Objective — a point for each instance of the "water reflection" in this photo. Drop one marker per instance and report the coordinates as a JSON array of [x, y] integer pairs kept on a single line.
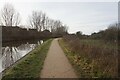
[[13, 52]]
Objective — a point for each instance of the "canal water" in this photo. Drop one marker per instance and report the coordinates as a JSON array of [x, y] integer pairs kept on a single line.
[[13, 51]]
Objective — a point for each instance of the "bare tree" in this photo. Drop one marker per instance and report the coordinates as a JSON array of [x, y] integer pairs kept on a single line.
[[9, 16], [1, 22], [51, 22], [35, 20], [40, 21], [44, 20], [52, 25], [48, 23], [57, 25], [17, 19], [63, 29]]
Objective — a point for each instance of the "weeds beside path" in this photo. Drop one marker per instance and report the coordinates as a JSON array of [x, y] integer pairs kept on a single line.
[[90, 58]]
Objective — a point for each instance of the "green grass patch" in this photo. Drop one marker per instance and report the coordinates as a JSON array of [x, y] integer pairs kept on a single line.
[[30, 66]]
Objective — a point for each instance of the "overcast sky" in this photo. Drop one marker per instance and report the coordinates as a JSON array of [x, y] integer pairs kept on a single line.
[[84, 16]]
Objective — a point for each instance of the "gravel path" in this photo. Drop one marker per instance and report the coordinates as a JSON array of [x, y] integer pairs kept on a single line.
[[56, 64]]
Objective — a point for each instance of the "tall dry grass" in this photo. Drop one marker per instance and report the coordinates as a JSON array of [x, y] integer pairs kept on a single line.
[[95, 58]]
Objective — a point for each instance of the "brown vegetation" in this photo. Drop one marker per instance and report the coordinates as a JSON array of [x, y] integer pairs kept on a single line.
[[96, 59], [95, 55]]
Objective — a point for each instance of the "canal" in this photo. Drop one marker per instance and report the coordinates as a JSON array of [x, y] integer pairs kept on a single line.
[[13, 51]]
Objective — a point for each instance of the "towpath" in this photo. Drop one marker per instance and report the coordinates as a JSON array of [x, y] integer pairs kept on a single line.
[[56, 64]]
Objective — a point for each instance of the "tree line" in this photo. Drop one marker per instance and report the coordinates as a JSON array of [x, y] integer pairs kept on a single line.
[[37, 20], [109, 34]]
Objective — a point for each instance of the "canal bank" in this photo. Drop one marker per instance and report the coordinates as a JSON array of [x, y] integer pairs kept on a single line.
[[13, 51], [29, 66]]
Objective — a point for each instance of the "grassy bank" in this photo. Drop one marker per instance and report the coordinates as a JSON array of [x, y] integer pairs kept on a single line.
[[30, 66], [91, 58]]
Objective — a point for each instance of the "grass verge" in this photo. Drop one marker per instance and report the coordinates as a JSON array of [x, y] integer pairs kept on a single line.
[[70, 56], [30, 66]]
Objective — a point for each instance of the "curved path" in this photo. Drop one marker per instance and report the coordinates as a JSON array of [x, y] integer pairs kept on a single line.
[[56, 64]]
